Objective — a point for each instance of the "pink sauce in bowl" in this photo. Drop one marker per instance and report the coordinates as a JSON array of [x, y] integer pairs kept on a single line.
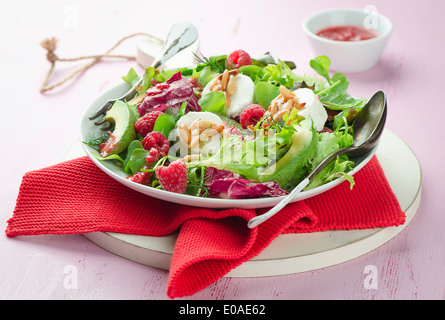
[[347, 33]]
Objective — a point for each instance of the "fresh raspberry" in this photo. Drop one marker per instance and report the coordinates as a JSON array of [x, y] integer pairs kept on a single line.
[[157, 145], [251, 115], [174, 177], [153, 155], [141, 177], [237, 59], [146, 123]]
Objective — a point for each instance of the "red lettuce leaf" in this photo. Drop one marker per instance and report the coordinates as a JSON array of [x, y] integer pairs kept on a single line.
[[226, 184], [173, 93]]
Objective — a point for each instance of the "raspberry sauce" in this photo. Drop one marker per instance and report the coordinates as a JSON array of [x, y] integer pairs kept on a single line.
[[347, 33]]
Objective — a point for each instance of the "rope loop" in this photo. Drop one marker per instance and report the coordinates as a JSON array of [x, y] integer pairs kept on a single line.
[[50, 45]]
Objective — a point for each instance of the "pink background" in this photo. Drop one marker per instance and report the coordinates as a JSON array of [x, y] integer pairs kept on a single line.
[[37, 130]]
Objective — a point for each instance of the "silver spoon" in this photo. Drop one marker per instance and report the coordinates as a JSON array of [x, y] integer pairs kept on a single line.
[[180, 36], [368, 127]]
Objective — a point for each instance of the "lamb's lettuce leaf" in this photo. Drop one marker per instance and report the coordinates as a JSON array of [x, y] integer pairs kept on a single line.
[[214, 102], [265, 92], [137, 159], [164, 124], [254, 72]]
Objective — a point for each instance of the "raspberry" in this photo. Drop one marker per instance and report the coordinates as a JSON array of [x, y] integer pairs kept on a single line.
[[153, 155], [237, 59], [157, 145], [251, 115], [146, 123], [141, 177], [174, 177]]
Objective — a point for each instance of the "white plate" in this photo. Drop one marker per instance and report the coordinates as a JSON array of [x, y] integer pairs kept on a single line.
[[300, 252], [87, 128]]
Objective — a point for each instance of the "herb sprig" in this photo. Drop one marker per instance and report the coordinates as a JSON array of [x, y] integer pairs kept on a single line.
[[94, 142], [196, 182], [213, 62]]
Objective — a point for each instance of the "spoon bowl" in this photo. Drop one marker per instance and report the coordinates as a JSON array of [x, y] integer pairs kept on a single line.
[[368, 127]]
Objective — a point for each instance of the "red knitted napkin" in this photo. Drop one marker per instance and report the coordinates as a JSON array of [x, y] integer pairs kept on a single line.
[[77, 197]]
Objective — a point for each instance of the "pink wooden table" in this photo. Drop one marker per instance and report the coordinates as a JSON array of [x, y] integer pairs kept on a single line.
[[37, 130]]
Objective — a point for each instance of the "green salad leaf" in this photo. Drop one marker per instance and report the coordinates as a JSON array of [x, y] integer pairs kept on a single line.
[[131, 78], [114, 157], [254, 72], [321, 65], [164, 124], [137, 159], [206, 75], [334, 170], [213, 102], [229, 157], [265, 92], [328, 143], [334, 95]]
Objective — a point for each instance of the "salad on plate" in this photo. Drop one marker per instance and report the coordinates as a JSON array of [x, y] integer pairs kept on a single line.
[[232, 127]]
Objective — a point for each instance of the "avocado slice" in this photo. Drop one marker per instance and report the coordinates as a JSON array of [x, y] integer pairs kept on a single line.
[[291, 168], [124, 118]]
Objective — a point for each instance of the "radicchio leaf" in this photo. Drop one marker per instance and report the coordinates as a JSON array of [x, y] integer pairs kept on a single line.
[[172, 93], [226, 184]]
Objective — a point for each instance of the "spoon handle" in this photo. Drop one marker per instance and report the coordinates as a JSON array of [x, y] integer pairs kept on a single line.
[[180, 36], [265, 216], [260, 219]]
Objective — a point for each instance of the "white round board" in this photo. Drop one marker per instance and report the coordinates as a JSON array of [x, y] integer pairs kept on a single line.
[[293, 253]]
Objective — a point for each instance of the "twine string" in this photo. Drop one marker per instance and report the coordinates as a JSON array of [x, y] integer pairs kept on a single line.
[[50, 45]]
